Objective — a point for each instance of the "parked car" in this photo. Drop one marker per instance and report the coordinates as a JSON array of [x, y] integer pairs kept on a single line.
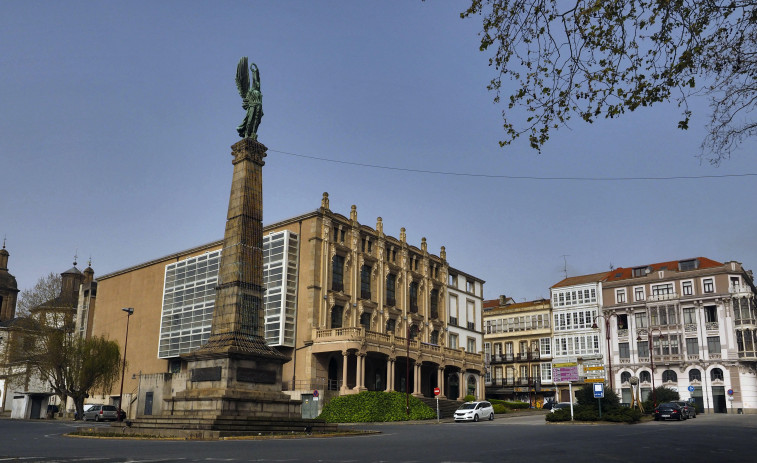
[[475, 411], [689, 410], [669, 411], [101, 413], [560, 406], [548, 405]]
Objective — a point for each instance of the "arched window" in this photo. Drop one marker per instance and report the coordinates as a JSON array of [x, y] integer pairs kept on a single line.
[[471, 385], [625, 377], [434, 339], [390, 324], [336, 316], [645, 377], [669, 376], [716, 374], [413, 331], [695, 375]]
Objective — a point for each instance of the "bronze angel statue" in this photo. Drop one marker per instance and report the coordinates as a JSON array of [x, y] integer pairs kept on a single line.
[[252, 99]]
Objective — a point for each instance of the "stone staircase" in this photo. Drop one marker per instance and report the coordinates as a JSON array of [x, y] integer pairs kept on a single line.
[[447, 407]]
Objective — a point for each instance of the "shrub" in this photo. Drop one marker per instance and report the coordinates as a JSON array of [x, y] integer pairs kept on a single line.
[[585, 396], [516, 405], [370, 406], [469, 398], [560, 415], [623, 415], [499, 409], [585, 413], [664, 394]]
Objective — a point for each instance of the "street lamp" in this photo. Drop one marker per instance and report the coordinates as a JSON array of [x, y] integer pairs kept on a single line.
[[407, 367], [129, 311], [594, 326], [650, 346]]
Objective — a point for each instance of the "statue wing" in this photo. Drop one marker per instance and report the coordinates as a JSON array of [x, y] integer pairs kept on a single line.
[[243, 77]]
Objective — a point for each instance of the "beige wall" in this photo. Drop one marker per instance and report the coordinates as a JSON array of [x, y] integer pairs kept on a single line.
[[141, 289]]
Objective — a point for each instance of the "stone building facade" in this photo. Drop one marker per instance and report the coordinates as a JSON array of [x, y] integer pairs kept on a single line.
[[352, 308], [689, 325], [518, 350]]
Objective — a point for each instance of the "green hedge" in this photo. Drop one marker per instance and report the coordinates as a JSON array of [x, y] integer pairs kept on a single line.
[[499, 409], [516, 405], [590, 413], [374, 406]]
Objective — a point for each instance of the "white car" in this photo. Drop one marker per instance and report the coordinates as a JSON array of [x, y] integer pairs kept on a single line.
[[475, 411]]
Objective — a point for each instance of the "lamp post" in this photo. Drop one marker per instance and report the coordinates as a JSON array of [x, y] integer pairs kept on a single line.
[[129, 311], [407, 368], [650, 342], [606, 318]]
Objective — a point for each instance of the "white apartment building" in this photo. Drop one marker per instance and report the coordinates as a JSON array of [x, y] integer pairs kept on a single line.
[[700, 317], [576, 308]]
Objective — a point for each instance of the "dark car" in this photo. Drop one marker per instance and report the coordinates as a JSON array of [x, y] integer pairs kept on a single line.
[[669, 411], [689, 410]]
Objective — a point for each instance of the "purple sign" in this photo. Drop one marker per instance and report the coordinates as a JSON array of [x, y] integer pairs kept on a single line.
[[565, 374]]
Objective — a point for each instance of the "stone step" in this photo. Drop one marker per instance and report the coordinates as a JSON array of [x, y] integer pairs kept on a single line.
[[447, 407]]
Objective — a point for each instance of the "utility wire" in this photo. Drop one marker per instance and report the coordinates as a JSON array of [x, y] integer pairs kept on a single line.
[[513, 177]]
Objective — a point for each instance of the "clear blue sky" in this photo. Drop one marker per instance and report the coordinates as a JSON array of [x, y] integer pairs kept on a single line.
[[117, 118]]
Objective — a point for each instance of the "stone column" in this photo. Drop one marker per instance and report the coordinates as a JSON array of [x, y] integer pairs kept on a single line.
[[345, 357], [461, 386], [389, 374], [360, 372], [440, 381], [417, 380]]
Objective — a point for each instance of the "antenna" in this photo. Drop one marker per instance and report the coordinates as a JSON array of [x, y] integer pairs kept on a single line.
[[612, 267], [565, 265]]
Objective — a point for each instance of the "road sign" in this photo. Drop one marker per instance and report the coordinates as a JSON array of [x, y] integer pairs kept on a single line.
[[565, 372], [598, 368], [730, 391], [599, 391], [315, 393], [437, 391], [594, 380], [691, 388]]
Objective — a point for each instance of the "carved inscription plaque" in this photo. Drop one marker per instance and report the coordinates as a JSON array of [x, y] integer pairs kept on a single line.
[[206, 374], [250, 375]]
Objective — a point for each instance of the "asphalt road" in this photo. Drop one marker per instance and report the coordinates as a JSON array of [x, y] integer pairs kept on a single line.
[[718, 438]]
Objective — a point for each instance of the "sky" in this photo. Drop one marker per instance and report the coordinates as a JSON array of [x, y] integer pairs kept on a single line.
[[117, 118]]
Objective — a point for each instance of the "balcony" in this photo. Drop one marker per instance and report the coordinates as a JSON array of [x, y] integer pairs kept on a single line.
[[745, 355], [623, 332], [523, 381], [663, 297], [738, 289], [502, 358], [711, 326], [328, 340], [472, 326], [690, 327]]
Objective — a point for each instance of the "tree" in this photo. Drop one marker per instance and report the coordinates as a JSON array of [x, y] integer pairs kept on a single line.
[[585, 396], [46, 289], [601, 58], [45, 348]]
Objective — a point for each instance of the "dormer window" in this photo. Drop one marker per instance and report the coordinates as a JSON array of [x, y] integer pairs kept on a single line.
[[640, 271], [686, 265]]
